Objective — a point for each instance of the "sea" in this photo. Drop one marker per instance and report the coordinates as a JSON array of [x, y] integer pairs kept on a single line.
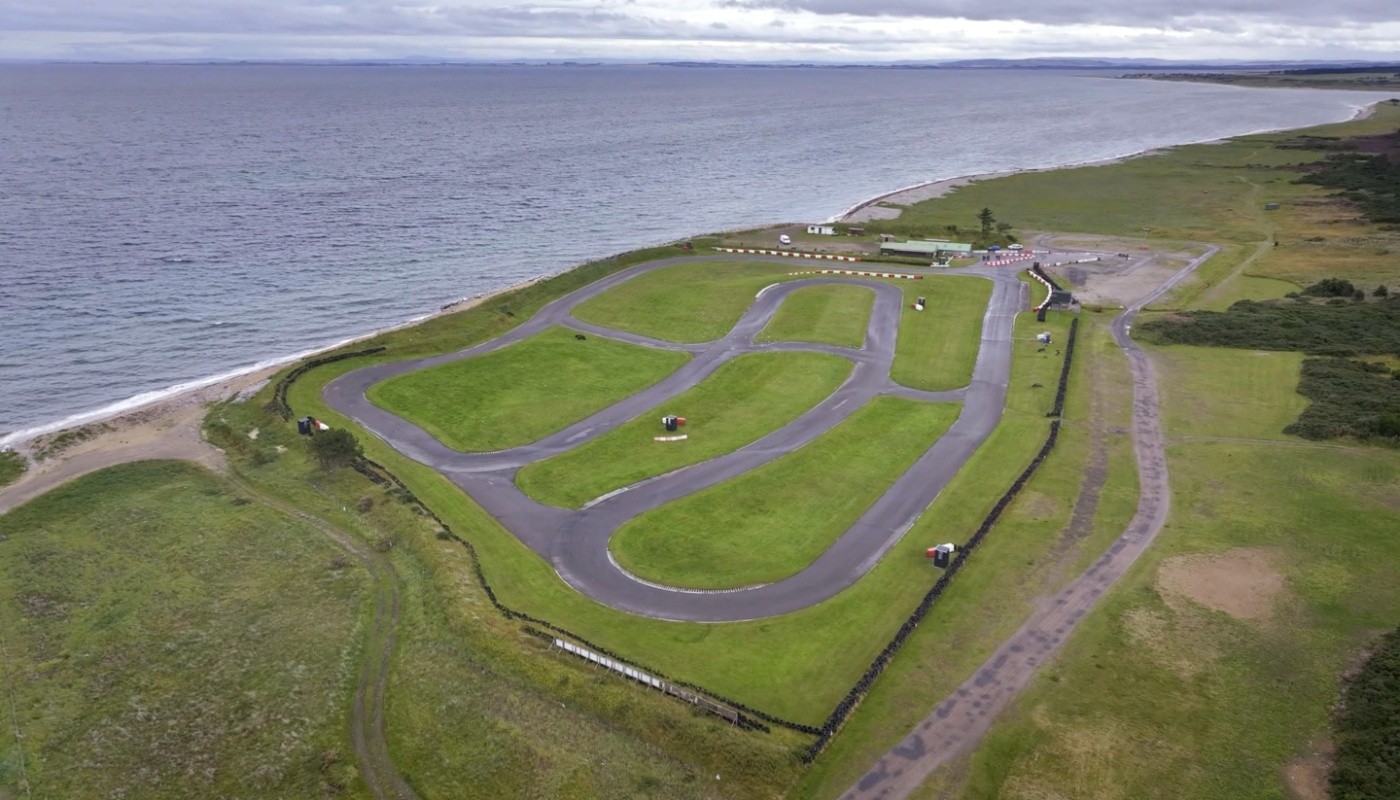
[[165, 226]]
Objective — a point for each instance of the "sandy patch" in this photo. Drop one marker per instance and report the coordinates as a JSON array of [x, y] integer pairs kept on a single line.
[[1242, 583], [1306, 775]]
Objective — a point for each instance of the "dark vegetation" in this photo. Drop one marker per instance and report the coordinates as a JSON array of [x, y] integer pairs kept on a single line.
[[1368, 729], [1349, 398], [1349, 329], [1371, 180], [12, 465], [336, 448]]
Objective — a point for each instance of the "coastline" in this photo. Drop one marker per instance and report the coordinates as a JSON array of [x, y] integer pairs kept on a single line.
[[173, 400], [868, 210], [140, 408]]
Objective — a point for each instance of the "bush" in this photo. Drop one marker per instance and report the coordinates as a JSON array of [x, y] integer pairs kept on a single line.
[[1345, 328], [1349, 398], [335, 448], [1368, 729], [1331, 287]]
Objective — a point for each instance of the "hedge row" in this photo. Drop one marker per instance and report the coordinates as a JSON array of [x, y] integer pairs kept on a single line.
[[862, 687]]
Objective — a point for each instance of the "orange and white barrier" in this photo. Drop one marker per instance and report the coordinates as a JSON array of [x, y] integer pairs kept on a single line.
[[861, 273], [787, 254]]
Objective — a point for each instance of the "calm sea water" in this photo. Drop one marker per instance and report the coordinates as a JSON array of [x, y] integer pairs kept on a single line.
[[163, 224]]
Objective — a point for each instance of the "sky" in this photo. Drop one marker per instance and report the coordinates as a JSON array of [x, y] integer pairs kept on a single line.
[[838, 31]]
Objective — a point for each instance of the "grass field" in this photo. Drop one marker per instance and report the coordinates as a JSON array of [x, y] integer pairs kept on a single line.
[[937, 347], [686, 303], [740, 402], [525, 391], [827, 314], [164, 637], [1159, 690], [768, 524], [1261, 385]]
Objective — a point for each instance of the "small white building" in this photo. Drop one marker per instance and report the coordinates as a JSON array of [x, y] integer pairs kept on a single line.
[[824, 230]]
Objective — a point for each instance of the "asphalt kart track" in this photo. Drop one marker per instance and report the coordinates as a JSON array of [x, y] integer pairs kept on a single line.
[[576, 541]]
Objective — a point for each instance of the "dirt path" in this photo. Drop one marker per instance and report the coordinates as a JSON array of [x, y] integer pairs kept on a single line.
[[367, 712], [959, 722]]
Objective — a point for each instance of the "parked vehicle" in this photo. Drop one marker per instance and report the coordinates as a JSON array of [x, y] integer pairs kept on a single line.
[[784, 239]]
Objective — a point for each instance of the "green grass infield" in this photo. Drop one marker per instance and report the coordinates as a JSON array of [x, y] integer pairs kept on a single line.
[[525, 391], [740, 402]]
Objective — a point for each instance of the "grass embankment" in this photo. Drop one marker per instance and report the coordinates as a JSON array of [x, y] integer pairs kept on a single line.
[[739, 403], [12, 466], [537, 723], [826, 314], [1160, 686], [685, 303], [165, 637], [823, 649], [770, 523], [525, 391], [937, 347]]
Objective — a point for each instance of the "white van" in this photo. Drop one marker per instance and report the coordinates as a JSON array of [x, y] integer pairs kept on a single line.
[[784, 239]]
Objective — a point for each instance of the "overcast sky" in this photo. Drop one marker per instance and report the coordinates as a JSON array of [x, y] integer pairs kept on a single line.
[[805, 30]]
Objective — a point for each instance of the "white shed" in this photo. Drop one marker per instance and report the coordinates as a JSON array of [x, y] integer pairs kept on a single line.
[[824, 230]]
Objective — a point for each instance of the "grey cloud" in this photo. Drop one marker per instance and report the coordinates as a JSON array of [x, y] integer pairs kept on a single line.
[[1136, 13]]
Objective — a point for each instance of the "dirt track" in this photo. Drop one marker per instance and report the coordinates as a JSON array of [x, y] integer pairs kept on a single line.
[[959, 722]]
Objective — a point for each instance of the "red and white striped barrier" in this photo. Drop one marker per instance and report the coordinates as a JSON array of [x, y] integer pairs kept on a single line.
[[1049, 290], [787, 254], [1000, 262], [861, 273]]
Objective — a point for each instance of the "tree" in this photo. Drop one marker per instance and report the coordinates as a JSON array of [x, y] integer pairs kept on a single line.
[[985, 217], [1381, 291], [1003, 227], [335, 448]]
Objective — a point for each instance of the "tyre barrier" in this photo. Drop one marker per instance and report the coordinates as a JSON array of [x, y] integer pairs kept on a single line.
[[278, 404], [1059, 409], [787, 254], [857, 693]]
